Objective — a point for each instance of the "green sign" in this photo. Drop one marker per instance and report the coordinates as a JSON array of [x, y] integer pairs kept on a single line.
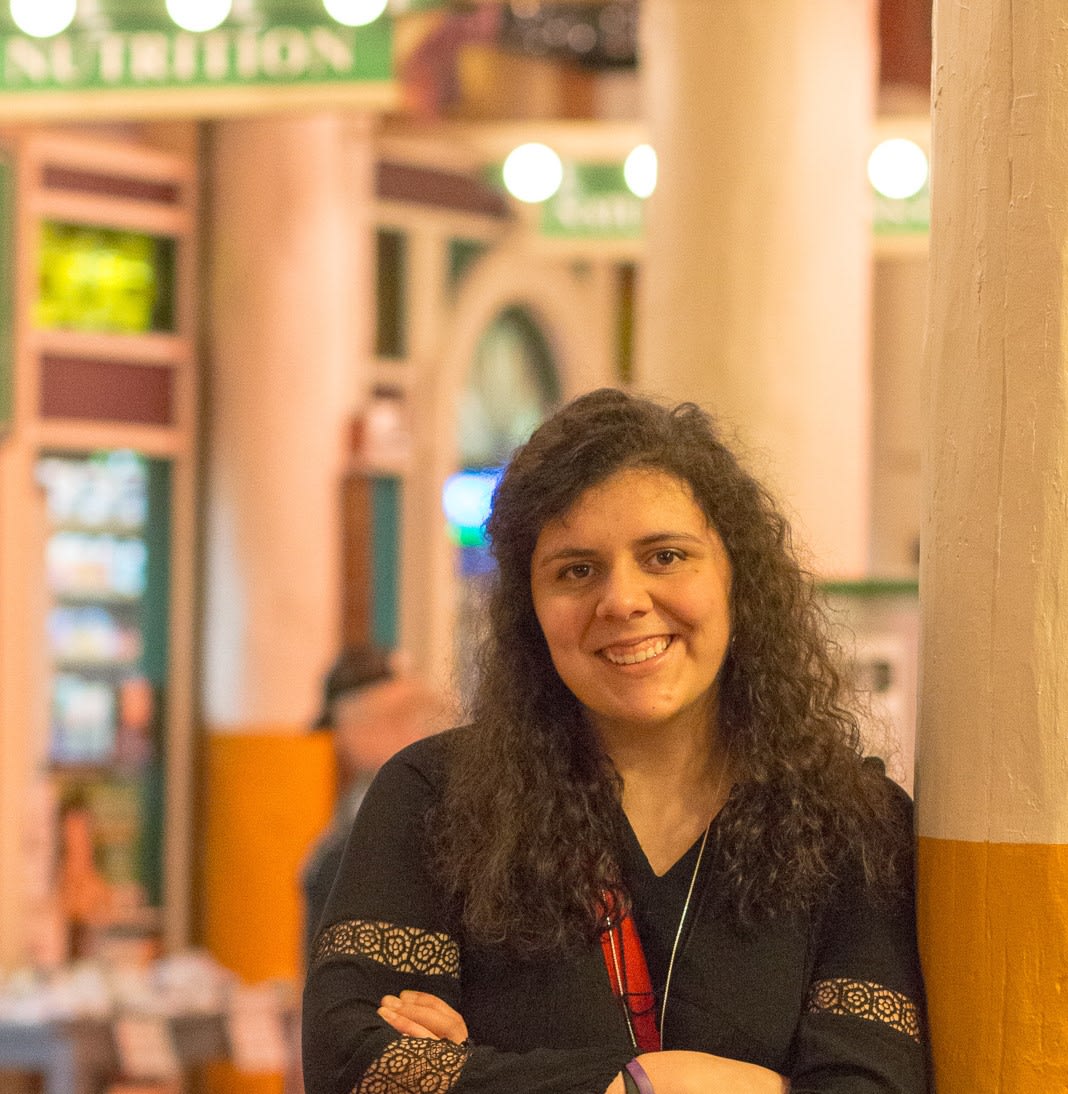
[[7, 293], [403, 7], [593, 202], [295, 44], [902, 216], [128, 15]]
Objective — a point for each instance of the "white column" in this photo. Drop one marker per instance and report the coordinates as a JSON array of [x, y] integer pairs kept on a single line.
[[284, 309], [993, 752], [756, 286]]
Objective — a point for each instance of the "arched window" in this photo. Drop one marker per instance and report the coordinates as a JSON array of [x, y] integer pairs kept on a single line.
[[512, 385]]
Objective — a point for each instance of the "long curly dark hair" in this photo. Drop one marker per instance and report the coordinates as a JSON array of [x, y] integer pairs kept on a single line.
[[528, 828]]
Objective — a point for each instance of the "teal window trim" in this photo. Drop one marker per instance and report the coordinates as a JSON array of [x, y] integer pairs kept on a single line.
[[386, 495], [155, 623], [391, 279]]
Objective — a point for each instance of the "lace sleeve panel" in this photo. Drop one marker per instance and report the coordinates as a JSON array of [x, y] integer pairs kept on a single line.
[[414, 1065], [861, 999], [408, 1065], [403, 949]]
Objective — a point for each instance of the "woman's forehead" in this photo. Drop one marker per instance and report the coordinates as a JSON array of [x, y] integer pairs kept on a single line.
[[629, 484]]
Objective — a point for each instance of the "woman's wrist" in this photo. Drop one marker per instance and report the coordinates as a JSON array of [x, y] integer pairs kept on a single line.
[[635, 1078]]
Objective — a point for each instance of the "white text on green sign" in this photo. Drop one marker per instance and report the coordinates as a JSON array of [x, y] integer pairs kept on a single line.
[[169, 59]]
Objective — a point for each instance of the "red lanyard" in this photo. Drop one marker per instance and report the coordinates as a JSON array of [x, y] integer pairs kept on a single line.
[[628, 974]]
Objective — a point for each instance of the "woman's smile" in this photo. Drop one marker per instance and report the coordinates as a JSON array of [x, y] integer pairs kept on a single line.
[[631, 587], [637, 652]]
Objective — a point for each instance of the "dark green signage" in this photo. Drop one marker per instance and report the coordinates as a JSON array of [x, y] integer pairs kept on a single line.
[[145, 60], [593, 202], [403, 7], [135, 46], [129, 15]]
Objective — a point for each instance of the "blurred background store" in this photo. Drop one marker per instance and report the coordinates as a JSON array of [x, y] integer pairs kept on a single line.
[[275, 303]]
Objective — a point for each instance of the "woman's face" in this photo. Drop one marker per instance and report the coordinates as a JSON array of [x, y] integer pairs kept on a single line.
[[631, 587]]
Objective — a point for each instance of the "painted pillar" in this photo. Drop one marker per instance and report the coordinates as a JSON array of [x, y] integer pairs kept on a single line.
[[281, 390], [993, 752], [755, 288], [287, 296]]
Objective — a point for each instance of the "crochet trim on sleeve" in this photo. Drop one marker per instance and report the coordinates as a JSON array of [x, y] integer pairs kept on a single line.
[[405, 949], [865, 1000], [414, 1065]]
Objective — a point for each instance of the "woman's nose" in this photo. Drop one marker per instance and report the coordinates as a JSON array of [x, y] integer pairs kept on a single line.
[[623, 594]]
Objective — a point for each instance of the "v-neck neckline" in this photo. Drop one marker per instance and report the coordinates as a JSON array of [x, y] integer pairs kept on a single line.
[[658, 899], [683, 864]]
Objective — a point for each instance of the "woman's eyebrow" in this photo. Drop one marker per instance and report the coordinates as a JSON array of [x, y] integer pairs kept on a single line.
[[649, 540], [670, 537], [565, 553]]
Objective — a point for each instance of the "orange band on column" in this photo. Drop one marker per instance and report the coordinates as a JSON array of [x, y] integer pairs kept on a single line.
[[993, 921]]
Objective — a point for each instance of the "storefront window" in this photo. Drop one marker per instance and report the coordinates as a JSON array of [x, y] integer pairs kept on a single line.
[[107, 565]]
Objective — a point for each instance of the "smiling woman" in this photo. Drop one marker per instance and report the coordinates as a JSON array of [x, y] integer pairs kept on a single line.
[[656, 855], [631, 589]]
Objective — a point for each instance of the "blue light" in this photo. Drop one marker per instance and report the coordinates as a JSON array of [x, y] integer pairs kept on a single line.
[[466, 500]]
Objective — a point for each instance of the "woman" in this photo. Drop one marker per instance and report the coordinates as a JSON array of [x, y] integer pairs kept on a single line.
[[655, 859]]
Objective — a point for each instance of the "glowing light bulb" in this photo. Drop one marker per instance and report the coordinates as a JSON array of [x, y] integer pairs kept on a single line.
[[198, 15], [897, 168], [355, 13], [533, 172], [639, 170], [43, 18]]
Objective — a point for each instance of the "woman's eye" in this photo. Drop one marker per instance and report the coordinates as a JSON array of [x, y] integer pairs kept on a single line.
[[577, 571], [668, 556]]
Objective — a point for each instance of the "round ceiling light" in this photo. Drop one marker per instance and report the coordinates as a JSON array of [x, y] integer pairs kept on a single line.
[[533, 172], [639, 170], [43, 18], [898, 168], [198, 15], [355, 13]]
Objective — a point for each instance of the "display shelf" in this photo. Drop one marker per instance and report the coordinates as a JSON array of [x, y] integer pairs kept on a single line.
[[133, 215], [116, 530], [89, 667], [60, 433], [100, 709], [83, 769], [90, 596], [151, 349]]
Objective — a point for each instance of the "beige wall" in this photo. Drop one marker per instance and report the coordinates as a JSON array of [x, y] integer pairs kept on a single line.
[[756, 287]]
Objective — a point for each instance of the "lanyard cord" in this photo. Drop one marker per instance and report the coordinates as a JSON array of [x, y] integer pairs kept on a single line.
[[678, 932], [622, 985], [689, 892]]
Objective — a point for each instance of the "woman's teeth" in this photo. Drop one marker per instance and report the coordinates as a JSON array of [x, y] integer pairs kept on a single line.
[[634, 655]]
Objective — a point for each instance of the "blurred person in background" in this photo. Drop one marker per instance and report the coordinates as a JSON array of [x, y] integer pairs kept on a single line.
[[371, 707]]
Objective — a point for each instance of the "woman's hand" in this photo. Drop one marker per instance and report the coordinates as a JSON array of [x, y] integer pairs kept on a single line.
[[419, 1014], [680, 1072]]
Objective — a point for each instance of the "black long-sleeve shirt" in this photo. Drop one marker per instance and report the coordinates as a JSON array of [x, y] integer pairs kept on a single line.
[[832, 999]]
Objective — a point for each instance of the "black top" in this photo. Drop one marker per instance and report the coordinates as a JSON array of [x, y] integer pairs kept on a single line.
[[831, 999], [321, 866]]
